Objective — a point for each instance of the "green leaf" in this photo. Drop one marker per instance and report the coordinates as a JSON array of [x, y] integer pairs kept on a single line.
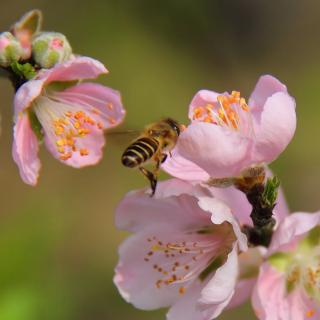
[[25, 70]]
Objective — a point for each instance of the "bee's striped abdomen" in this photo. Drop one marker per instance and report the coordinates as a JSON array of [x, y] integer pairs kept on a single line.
[[139, 151]]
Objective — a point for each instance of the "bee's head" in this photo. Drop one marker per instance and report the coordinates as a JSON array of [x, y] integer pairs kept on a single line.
[[174, 125]]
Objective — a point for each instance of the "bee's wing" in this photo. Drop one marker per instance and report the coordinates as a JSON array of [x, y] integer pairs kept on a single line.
[[124, 136], [124, 132]]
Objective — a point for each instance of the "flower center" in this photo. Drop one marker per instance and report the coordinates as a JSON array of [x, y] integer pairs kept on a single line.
[[230, 110], [305, 272], [65, 126], [190, 256]]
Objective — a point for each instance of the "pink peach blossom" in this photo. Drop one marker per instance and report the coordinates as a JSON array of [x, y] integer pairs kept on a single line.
[[288, 286], [183, 254], [227, 135], [69, 115]]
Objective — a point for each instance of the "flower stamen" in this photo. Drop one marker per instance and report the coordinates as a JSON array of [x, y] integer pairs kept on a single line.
[[225, 112]]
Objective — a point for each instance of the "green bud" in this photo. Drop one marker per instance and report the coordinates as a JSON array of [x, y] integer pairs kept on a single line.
[[10, 49], [270, 193], [50, 48]]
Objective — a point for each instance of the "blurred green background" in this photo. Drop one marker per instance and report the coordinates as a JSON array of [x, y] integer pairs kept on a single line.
[[58, 243]]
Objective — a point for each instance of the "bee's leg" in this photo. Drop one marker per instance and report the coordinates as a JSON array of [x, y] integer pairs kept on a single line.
[[164, 158], [160, 159], [151, 177]]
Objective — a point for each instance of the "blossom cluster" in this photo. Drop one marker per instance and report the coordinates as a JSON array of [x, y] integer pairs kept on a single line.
[[195, 247], [51, 104], [214, 235]]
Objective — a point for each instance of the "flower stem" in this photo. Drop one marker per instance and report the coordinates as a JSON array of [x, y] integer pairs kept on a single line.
[[262, 196]]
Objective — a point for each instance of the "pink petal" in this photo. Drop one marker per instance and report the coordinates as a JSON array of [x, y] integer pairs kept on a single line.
[[220, 213], [218, 292], [269, 294], [170, 205], [242, 292], [26, 94], [75, 69], [275, 128], [93, 142], [219, 151], [236, 201], [249, 265], [186, 308], [136, 279], [294, 226], [266, 86], [179, 167], [25, 150], [201, 99], [103, 101]]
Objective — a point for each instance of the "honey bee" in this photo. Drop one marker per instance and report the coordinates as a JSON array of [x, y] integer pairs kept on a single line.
[[153, 144]]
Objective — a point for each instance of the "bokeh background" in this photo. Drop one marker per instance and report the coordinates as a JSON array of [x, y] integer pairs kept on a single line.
[[58, 243]]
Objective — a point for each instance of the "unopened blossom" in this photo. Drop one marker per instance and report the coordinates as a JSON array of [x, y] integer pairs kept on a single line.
[[183, 254], [25, 28], [288, 285], [228, 135], [50, 48], [10, 49], [69, 116]]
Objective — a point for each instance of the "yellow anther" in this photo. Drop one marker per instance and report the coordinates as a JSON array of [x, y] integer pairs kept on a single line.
[[59, 130], [235, 95], [182, 290], [198, 112], [77, 124], [112, 120], [84, 152], [61, 143], [208, 119], [310, 313], [70, 142], [79, 114], [158, 284], [156, 247], [244, 105], [66, 156], [83, 131], [61, 150]]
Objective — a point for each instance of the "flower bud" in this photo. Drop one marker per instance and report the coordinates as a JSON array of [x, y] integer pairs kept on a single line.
[[24, 29], [50, 48], [10, 49]]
